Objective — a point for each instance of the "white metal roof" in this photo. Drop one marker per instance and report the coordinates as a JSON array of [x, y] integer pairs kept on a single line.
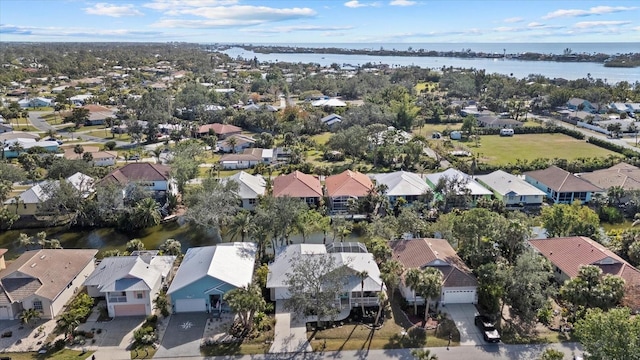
[[504, 183], [401, 183], [249, 186], [474, 187], [129, 273], [229, 262]]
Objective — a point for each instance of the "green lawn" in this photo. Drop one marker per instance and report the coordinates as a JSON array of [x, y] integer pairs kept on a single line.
[[65, 354], [425, 86], [322, 138], [495, 149], [107, 135]]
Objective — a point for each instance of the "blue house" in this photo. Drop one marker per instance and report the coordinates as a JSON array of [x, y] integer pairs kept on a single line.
[[207, 273], [577, 103], [561, 186]]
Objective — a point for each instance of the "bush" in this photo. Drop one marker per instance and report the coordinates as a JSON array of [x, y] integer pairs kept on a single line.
[[59, 345], [152, 319], [613, 147], [144, 335]]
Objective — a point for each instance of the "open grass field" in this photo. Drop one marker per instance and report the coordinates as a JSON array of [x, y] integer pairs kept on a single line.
[[495, 149], [425, 86], [322, 138]]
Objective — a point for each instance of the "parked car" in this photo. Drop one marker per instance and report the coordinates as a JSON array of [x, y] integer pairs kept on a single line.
[[489, 331], [134, 157]]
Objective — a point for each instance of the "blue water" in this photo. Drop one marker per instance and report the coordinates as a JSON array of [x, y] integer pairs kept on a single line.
[[516, 68], [499, 48]]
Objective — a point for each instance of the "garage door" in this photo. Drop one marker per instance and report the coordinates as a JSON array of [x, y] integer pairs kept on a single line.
[[4, 313], [191, 305], [129, 310], [459, 296]]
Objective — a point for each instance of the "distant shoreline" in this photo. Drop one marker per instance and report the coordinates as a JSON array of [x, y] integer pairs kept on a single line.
[[629, 60]]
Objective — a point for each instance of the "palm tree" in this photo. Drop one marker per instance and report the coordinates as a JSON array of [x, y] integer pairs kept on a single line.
[[363, 276], [68, 321], [240, 225], [27, 315], [413, 279], [423, 354], [246, 302], [390, 273], [157, 152], [232, 142], [430, 288], [171, 247], [17, 148], [134, 245], [147, 213]]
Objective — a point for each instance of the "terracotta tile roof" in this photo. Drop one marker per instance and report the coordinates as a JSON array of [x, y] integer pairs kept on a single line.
[[624, 175], [438, 253], [561, 180], [44, 272], [348, 183], [137, 172], [297, 184], [239, 157], [571, 253], [97, 108], [220, 129]]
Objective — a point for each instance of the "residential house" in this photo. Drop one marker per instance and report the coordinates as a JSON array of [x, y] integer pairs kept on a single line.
[[98, 114], [44, 280], [618, 107], [222, 131], [633, 107], [581, 104], [561, 186], [28, 202], [331, 120], [512, 190], [402, 185], [104, 158], [298, 185], [345, 187], [250, 188], [241, 142], [151, 177], [80, 100], [35, 102], [207, 273], [248, 159], [333, 102], [569, 254], [27, 143], [130, 283], [352, 256], [495, 122], [8, 137], [623, 175], [459, 183], [5, 128], [459, 286]]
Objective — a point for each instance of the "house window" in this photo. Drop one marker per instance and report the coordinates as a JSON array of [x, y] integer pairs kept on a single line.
[[37, 305], [139, 295], [253, 201]]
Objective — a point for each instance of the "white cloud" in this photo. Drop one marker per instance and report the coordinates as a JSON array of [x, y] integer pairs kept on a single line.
[[294, 28], [75, 32], [402, 3], [535, 24], [513, 20], [165, 5], [596, 10], [357, 4], [592, 24], [105, 9], [237, 15]]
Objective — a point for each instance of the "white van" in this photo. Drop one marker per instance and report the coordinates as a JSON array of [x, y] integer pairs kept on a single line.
[[506, 132]]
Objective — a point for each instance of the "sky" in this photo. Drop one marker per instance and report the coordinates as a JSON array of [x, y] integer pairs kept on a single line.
[[320, 21]]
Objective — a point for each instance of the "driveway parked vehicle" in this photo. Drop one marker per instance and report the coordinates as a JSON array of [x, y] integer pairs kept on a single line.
[[489, 331]]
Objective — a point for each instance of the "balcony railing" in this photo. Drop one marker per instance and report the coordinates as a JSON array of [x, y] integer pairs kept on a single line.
[[367, 301], [117, 299]]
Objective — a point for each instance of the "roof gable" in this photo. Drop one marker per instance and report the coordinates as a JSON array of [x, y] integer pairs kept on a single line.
[[561, 180], [138, 172], [505, 184], [401, 183], [297, 184], [348, 183]]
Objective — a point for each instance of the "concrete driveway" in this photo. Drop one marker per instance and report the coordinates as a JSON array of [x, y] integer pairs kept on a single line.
[[463, 315], [115, 337], [183, 336]]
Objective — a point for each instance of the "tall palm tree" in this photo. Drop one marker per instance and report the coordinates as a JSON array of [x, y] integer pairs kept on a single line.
[[147, 213], [68, 322], [430, 288], [232, 142], [17, 148], [240, 225], [364, 274], [413, 279], [390, 273]]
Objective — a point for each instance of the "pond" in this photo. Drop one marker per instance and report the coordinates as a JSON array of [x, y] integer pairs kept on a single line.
[[110, 238]]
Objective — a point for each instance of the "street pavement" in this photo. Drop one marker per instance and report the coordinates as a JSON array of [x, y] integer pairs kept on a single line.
[[483, 352]]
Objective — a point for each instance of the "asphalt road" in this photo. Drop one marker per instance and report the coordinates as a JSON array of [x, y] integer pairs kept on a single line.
[[485, 352]]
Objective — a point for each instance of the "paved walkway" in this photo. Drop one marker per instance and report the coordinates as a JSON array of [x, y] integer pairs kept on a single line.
[[463, 315], [290, 333]]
